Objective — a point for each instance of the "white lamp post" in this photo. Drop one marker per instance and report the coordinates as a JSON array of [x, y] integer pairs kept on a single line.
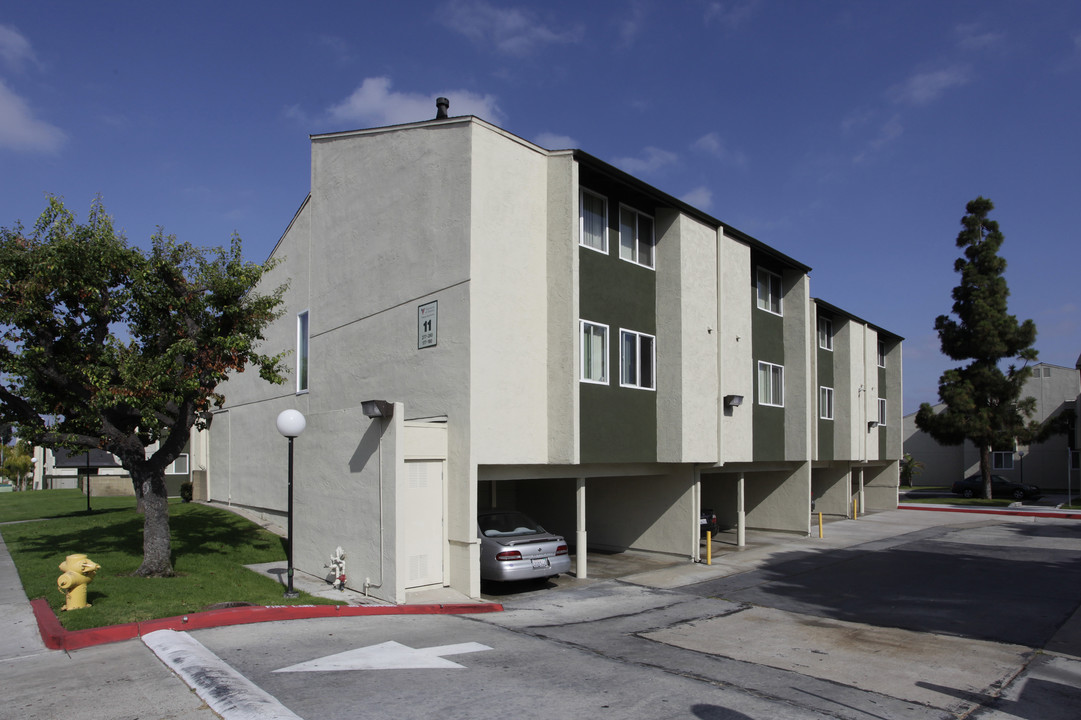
[[291, 424]]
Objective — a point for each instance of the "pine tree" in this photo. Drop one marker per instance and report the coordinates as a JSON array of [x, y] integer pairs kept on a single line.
[[982, 401]]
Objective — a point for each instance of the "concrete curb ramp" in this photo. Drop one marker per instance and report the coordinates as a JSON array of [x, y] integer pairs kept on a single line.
[[226, 691], [56, 637]]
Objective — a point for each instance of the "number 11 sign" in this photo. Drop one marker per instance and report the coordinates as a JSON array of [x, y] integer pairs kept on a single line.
[[427, 323]]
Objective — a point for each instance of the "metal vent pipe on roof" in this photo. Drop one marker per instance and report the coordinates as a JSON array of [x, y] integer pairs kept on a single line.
[[442, 105]]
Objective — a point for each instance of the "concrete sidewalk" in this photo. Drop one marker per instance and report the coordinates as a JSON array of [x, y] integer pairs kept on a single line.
[[18, 625]]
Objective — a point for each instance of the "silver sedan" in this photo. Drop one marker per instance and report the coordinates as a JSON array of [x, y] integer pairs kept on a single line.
[[513, 547]]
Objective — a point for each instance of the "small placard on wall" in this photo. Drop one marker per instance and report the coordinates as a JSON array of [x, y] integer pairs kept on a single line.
[[427, 324]]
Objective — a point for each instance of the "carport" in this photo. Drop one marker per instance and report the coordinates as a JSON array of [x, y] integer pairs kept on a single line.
[[775, 499], [649, 508]]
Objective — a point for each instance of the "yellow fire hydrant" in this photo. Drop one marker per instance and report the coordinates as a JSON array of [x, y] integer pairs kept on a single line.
[[78, 572]]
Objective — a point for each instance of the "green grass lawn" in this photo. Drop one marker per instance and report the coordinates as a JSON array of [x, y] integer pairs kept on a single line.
[[210, 548]]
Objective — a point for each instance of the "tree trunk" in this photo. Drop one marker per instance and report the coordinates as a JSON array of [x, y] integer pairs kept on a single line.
[[985, 470], [157, 552]]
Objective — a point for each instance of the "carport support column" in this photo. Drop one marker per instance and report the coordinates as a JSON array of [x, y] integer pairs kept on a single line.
[[741, 515], [580, 535], [859, 474]]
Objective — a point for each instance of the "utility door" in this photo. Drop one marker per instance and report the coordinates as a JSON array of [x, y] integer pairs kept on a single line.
[[422, 517]]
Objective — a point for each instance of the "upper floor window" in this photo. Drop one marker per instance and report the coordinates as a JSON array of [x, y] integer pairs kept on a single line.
[[882, 412], [635, 237], [770, 384], [825, 403], [302, 352], [636, 360], [769, 291], [593, 221], [825, 333], [881, 354], [594, 352]]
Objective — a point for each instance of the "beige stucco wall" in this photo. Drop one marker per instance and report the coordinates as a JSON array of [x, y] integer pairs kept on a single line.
[[687, 423], [733, 331], [562, 288]]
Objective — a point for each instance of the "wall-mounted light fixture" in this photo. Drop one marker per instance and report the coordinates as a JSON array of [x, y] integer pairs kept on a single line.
[[377, 408], [872, 425], [733, 400]]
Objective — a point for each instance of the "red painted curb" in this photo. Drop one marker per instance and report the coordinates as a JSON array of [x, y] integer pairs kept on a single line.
[[56, 637], [1070, 514]]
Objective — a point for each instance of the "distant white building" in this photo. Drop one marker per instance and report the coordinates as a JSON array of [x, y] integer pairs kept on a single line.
[[1052, 465]]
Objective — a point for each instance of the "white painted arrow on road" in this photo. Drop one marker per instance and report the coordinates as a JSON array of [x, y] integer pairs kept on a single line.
[[388, 656]]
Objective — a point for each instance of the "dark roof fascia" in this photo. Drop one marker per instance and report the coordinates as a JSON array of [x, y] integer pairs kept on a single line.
[[838, 311], [600, 166], [78, 458]]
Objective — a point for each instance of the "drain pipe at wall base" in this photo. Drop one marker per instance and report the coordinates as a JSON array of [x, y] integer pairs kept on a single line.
[[367, 580]]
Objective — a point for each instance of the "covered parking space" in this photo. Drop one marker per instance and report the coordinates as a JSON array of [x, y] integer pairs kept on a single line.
[[602, 509], [756, 497]]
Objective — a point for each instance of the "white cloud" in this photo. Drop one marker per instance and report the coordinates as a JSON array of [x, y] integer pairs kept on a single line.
[[924, 87], [20, 130], [712, 144], [652, 160], [15, 49], [632, 22], [730, 14], [374, 104], [553, 141], [512, 31], [701, 197], [888, 132], [971, 38]]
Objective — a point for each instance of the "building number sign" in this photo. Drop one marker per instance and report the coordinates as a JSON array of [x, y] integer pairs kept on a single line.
[[427, 324]]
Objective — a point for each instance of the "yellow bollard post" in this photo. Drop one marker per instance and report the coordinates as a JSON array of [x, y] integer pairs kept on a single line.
[[855, 512], [820, 525], [709, 547]]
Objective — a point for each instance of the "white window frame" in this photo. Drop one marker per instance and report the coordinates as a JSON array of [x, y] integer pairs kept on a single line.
[[582, 192], [632, 253], [765, 390], [774, 291], [171, 469], [303, 366], [638, 381], [1002, 460], [825, 403], [583, 343], [881, 354], [882, 412], [825, 334]]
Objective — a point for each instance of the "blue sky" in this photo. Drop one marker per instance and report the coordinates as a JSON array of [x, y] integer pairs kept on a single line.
[[848, 134]]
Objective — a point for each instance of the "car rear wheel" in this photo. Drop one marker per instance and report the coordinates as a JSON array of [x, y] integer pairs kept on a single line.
[[969, 492], [1019, 494]]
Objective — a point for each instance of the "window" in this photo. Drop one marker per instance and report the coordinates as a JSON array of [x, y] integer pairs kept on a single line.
[[635, 237], [302, 352], [881, 354], [636, 358], [593, 221], [882, 411], [769, 291], [594, 352], [178, 466], [1047, 372], [825, 403], [770, 384], [825, 333], [1002, 460]]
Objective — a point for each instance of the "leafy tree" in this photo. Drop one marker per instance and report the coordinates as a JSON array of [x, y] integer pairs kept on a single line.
[[109, 346], [17, 464], [910, 468], [982, 401]]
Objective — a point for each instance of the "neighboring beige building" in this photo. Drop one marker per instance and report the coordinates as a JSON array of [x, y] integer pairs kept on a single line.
[[547, 333], [1052, 464]]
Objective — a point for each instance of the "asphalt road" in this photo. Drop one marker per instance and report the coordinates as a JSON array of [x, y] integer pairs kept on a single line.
[[900, 615]]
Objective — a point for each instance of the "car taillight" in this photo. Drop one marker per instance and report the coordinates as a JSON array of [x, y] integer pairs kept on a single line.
[[561, 550], [509, 555]]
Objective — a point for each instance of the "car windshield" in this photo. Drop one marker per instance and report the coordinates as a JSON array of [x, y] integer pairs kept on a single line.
[[506, 524]]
